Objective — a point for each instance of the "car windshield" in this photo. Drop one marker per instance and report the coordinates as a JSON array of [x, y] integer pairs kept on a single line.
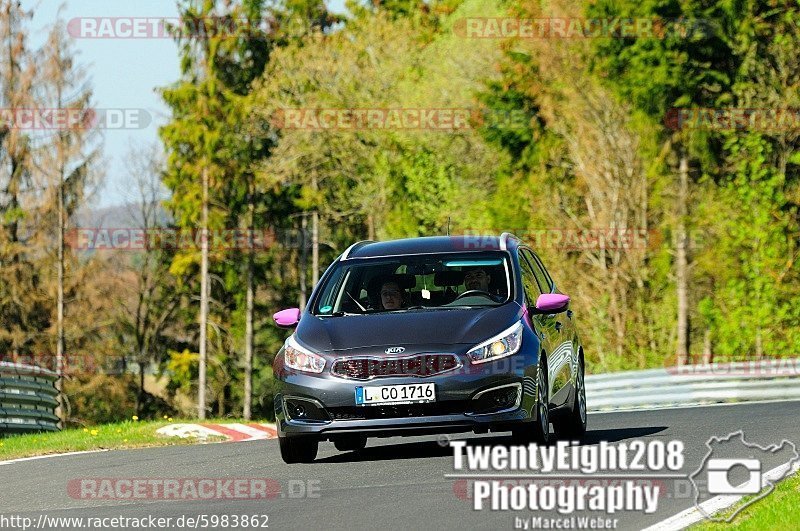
[[415, 282]]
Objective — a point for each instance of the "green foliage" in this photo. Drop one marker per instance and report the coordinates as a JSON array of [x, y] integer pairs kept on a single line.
[[101, 398], [569, 135]]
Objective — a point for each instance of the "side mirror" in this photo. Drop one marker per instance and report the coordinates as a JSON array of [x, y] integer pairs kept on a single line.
[[287, 318], [552, 303]]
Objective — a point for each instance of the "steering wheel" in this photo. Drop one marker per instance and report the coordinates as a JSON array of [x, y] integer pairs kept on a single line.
[[473, 292]]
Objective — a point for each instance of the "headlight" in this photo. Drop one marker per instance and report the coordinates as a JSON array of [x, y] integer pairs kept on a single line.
[[300, 358], [503, 344]]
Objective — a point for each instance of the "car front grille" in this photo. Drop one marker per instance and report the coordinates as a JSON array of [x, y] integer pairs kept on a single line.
[[364, 368]]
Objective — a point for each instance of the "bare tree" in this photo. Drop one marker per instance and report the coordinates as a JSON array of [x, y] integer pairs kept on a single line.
[[64, 163], [147, 317], [17, 294]]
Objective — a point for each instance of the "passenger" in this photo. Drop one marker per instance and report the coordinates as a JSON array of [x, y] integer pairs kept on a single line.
[[392, 296]]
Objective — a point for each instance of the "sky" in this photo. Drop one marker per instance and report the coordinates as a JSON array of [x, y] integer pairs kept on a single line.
[[124, 73]]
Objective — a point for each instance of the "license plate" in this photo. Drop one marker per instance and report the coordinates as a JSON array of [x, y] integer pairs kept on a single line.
[[395, 394]]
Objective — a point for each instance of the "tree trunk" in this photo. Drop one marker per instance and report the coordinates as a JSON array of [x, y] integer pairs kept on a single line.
[[708, 357], [303, 262], [201, 389], [140, 399], [314, 240], [314, 249], [248, 319], [681, 260], [60, 339], [759, 344], [370, 227]]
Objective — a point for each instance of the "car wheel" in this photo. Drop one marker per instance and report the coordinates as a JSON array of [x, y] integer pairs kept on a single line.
[[573, 427], [351, 444], [537, 431], [298, 449]]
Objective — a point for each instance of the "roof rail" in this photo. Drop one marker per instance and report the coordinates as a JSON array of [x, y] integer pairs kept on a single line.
[[504, 240], [353, 247]]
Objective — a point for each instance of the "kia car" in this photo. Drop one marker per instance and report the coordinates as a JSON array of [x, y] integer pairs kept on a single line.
[[429, 335]]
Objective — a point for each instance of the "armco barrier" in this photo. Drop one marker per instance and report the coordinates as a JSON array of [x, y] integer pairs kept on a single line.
[[694, 385], [28, 399]]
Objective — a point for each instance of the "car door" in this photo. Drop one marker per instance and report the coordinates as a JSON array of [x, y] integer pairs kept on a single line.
[[559, 355], [542, 326]]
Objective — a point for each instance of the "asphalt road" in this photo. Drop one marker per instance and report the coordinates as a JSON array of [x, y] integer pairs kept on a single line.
[[396, 483]]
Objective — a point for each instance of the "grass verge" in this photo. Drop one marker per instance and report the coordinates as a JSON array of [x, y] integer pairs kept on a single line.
[[779, 510], [128, 434]]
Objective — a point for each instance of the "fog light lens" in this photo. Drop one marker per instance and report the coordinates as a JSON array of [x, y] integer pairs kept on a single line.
[[498, 399], [307, 410]]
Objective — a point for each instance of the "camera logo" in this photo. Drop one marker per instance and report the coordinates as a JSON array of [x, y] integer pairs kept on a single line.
[[720, 473], [733, 468]]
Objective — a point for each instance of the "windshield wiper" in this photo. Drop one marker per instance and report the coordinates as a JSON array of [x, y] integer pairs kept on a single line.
[[355, 301], [338, 314]]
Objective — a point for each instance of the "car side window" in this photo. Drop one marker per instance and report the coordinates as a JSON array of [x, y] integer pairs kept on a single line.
[[538, 271], [529, 283], [541, 266]]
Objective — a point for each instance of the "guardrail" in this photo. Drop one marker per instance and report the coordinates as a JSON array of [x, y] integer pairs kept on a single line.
[[694, 385], [28, 399]]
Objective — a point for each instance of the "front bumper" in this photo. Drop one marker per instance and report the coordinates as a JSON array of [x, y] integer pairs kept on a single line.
[[461, 403]]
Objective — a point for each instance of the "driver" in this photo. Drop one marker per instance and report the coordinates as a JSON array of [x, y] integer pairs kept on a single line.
[[477, 279]]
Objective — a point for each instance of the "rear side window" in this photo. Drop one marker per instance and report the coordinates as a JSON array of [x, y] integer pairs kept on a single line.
[[538, 272], [529, 283], [539, 265]]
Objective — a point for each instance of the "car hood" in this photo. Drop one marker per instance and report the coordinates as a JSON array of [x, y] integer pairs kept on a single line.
[[406, 329]]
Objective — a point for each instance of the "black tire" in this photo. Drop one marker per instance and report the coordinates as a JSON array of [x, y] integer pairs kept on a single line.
[[298, 449], [354, 443], [573, 426], [537, 431]]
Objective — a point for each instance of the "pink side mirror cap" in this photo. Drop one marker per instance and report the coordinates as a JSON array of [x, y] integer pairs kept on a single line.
[[287, 318], [552, 302]]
